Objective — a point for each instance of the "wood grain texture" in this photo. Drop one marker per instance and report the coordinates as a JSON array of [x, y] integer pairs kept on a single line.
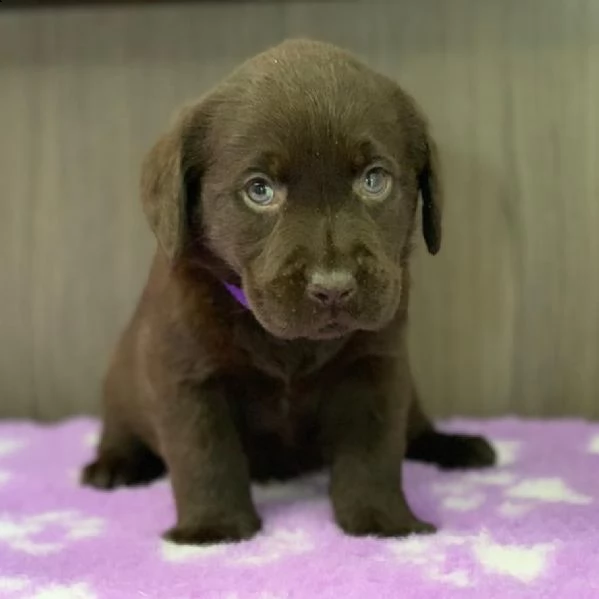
[[504, 320]]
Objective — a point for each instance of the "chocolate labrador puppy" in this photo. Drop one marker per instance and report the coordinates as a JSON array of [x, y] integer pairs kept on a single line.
[[270, 339]]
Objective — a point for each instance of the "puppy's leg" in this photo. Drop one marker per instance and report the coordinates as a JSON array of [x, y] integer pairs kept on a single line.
[[364, 428], [122, 459], [448, 451], [208, 469]]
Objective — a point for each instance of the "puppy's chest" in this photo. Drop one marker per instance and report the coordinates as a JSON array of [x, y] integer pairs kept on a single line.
[[286, 399], [285, 411], [287, 404]]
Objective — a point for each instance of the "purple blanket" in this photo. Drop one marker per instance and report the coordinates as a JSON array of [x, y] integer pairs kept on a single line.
[[526, 529]]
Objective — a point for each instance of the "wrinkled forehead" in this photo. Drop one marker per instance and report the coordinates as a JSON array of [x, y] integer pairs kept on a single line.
[[279, 136]]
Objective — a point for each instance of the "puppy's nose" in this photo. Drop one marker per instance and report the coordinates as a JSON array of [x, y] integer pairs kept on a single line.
[[331, 287]]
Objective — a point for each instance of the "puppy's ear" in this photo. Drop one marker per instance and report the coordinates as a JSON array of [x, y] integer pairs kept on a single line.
[[166, 181], [429, 182]]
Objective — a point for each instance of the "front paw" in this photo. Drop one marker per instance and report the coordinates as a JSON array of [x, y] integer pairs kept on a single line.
[[208, 531], [380, 519]]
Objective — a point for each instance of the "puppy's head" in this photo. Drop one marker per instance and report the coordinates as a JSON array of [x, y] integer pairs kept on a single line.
[[301, 173]]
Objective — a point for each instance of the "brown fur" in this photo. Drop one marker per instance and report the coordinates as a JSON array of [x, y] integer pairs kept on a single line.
[[217, 394]]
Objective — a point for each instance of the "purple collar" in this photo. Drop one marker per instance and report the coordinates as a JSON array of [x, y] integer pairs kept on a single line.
[[238, 294]]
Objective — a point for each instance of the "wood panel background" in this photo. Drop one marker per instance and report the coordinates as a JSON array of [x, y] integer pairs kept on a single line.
[[505, 320]]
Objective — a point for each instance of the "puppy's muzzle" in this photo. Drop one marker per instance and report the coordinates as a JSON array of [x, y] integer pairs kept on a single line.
[[331, 288]]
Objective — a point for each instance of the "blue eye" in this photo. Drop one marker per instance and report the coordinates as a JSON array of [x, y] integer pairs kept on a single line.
[[260, 191], [376, 183]]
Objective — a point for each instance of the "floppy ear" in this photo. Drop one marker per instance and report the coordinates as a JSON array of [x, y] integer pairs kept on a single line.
[[165, 183], [429, 182], [428, 172]]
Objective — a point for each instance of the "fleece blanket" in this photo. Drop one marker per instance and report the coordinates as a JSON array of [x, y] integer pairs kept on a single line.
[[529, 528]]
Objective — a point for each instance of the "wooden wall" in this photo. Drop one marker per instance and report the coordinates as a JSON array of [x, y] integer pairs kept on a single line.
[[505, 320]]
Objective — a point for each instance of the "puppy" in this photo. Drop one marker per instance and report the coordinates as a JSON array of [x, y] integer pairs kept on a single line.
[[270, 339]]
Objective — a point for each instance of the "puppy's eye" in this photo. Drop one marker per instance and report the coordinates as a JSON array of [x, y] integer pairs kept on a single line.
[[375, 180], [375, 183], [260, 191]]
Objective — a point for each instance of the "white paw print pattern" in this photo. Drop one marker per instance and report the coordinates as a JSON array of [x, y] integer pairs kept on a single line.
[[262, 550], [519, 494], [9, 446], [280, 544], [22, 534], [431, 557], [24, 588], [521, 563], [524, 563], [548, 490], [593, 444]]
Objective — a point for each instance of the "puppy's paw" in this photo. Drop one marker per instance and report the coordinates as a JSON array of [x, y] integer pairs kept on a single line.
[[373, 522], [466, 451], [241, 528], [452, 452], [380, 517], [112, 472]]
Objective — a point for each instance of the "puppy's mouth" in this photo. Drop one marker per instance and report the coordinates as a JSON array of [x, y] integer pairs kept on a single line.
[[332, 328], [328, 325], [332, 324]]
